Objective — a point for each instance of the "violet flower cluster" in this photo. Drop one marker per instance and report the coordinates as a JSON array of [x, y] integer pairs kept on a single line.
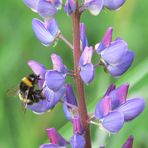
[[113, 109]]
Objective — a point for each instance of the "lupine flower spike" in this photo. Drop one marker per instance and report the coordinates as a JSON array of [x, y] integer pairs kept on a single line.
[[113, 109]]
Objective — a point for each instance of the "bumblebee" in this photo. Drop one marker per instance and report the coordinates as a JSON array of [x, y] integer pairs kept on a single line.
[[27, 91]]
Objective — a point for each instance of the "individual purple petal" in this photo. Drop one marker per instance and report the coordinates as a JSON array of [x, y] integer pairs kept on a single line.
[[58, 63], [132, 108], [46, 9], [110, 89], [113, 4], [67, 112], [86, 56], [113, 122], [94, 6], [103, 107], [52, 26], [106, 40], [129, 142], [118, 96], [37, 68], [54, 80], [115, 52], [51, 99], [41, 32], [87, 73], [123, 66], [57, 4], [77, 127], [70, 97], [32, 4], [83, 37], [77, 141], [49, 145], [70, 7], [54, 97], [55, 137]]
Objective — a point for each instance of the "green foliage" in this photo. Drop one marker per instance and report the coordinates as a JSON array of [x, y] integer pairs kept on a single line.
[[18, 44]]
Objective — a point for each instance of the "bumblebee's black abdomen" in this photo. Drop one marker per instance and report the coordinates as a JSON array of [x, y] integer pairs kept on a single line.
[[23, 87]]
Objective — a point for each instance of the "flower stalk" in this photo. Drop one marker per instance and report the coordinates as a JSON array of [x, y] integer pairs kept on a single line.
[[79, 83]]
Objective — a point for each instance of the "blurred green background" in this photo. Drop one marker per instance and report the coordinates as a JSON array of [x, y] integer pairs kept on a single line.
[[18, 44]]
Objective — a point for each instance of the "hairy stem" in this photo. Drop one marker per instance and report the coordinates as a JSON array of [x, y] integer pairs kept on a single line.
[[79, 83]]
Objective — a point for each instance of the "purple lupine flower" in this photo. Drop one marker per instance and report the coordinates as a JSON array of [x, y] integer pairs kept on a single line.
[[113, 4], [55, 78], [69, 111], [56, 140], [52, 93], [83, 37], [129, 142], [45, 8], [115, 56], [113, 109], [93, 6], [70, 7], [46, 31], [87, 70], [77, 140]]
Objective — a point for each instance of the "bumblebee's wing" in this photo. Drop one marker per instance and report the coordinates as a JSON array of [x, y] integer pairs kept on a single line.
[[13, 91]]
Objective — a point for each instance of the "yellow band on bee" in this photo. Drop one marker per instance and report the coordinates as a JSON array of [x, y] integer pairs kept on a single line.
[[27, 81]]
